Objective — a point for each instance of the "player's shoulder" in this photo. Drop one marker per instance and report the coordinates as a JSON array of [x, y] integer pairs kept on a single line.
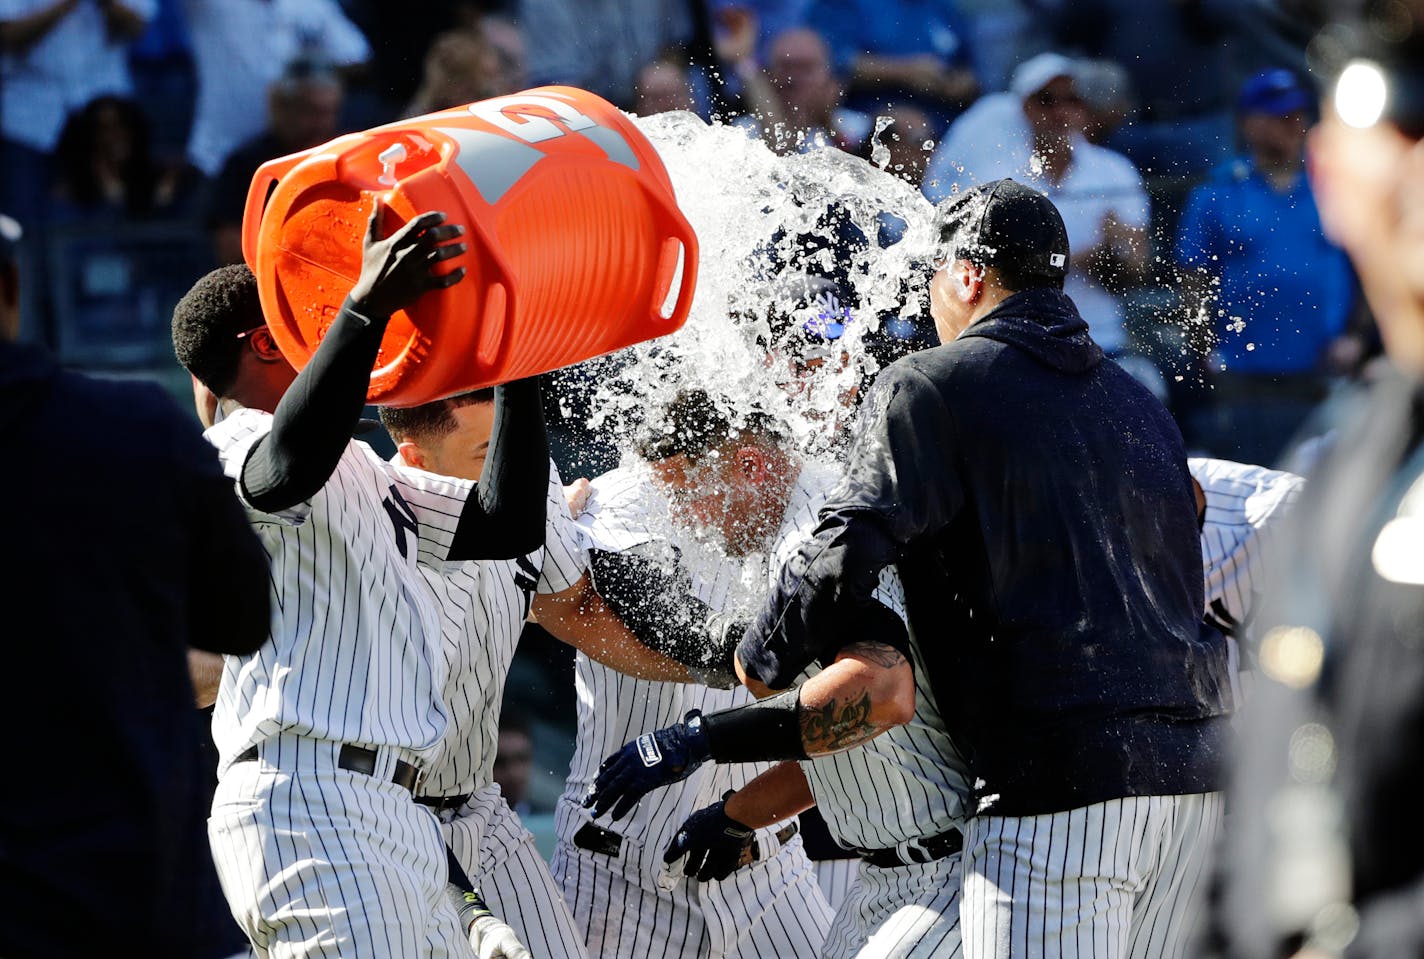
[[239, 426]]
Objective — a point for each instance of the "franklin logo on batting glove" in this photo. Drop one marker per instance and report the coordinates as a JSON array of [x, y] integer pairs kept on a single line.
[[648, 750]]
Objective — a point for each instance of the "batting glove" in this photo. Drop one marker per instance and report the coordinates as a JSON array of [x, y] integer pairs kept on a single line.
[[651, 761], [490, 938], [716, 845]]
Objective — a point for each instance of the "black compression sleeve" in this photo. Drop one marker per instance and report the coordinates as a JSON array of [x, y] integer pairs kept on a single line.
[[768, 730], [314, 420], [653, 597], [504, 516]]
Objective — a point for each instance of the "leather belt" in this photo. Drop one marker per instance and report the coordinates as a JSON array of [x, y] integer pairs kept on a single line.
[[444, 803], [357, 759], [925, 850], [606, 842]]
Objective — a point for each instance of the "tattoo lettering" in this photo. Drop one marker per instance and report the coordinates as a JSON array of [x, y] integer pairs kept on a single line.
[[877, 654], [836, 725]]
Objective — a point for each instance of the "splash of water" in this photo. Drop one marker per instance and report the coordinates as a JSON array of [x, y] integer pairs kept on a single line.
[[765, 224]]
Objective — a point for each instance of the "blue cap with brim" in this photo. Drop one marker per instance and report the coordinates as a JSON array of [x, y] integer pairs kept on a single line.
[[1275, 92]]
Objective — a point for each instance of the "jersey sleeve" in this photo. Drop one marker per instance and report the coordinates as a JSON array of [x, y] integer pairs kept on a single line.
[[565, 558], [435, 503], [234, 439], [901, 484]]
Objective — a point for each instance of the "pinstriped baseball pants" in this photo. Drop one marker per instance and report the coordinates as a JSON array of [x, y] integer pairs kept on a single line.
[[905, 912], [320, 861], [1115, 880], [771, 909], [499, 856]]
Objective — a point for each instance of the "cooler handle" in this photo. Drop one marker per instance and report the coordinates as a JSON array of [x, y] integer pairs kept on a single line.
[[675, 227]]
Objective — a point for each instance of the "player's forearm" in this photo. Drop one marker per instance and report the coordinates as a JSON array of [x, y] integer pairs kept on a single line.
[[205, 670], [579, 617], [868, 689], [779, 793], [505, 516], [19, 34], [312, 424]]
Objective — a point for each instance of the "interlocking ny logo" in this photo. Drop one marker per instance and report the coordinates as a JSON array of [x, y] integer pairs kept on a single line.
[[402, 518]]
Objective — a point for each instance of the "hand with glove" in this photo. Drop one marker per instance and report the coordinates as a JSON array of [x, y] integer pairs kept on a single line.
[[651, 761], [489, 937], [715, 844]]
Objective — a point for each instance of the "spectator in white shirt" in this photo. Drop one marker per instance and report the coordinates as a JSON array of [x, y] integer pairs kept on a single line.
[[54, 58], [1033, 134], [240, 47]]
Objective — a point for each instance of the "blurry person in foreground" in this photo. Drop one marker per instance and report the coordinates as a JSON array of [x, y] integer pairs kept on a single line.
[[1326, 854]]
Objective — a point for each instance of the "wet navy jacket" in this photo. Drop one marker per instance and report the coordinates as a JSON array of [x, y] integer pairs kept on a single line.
[[1037, 502], [124, 546]]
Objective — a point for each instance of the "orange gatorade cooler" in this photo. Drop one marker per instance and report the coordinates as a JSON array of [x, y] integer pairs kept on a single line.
[[576, 244]]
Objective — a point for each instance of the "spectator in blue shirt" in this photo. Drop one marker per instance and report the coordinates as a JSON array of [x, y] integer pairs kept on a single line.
[[899, 51], [1283, 293]]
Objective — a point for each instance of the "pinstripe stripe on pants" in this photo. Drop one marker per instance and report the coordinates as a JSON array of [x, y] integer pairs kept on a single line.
[[772, 908], [1120, 878], [499, 855], [835, 877], [906, 912], [321, 861]]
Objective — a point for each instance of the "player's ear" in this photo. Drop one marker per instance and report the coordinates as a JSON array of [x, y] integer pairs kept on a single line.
[[968, 282], [264, 346], [412, 455]]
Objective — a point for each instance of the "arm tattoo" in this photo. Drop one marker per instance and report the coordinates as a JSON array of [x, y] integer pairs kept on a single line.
[[836, 725], [877, 654]]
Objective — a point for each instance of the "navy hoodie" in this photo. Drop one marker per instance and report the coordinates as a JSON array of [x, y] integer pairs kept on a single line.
[[1037, 503], [125, 545]]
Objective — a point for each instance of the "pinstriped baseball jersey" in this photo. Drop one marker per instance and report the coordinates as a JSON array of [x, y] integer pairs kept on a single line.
[[354, 651], [906, 783], [625, 512], [483, 607], [1242, 504]]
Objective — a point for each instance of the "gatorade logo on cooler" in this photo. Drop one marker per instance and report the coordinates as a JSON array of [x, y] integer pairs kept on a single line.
[[576, 245]]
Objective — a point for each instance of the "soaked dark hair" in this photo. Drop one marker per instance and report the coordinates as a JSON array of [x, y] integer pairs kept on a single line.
[[693, 424], [207, 321]]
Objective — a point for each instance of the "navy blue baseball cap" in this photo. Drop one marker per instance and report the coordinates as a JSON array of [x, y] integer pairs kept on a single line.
[[1004, 223], [1275, 92]]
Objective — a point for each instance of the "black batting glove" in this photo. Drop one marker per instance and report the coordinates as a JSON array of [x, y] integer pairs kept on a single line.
[[651, 761], [715, 844]]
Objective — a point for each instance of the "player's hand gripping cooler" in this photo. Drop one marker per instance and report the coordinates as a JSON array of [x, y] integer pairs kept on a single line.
[[576, 244]]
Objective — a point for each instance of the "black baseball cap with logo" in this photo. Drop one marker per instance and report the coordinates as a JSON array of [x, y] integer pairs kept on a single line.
[[1004, 224]]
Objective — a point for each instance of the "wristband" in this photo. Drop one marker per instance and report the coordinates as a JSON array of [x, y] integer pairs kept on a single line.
[[766, 730]]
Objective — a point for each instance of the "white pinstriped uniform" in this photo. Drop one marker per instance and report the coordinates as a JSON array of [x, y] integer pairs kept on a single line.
[[906, 785], [316, 860], [1243, 507], [632, 903], [483, 609]]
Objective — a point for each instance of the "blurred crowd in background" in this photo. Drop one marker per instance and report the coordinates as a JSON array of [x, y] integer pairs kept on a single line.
[[1170, 133]]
